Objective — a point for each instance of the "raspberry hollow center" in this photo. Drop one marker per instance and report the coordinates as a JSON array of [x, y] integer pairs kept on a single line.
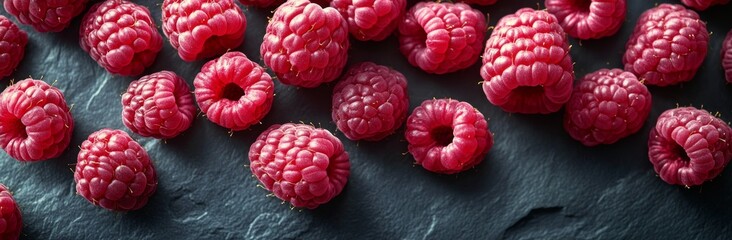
[[529, 92], [582, 5], [680, 153], [232, 92], [17, 129], [442, 135]]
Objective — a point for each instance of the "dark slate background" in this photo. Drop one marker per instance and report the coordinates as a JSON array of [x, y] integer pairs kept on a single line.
[[536, 182]]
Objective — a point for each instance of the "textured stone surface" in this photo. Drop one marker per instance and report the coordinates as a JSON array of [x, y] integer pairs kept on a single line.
[[535, 183]]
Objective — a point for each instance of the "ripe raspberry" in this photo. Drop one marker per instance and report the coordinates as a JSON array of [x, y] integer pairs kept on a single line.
[[606, 106], [10, 220], [35, 122], [480, 2], [526, 65], [12, 46], [443, 37], [702, 5], [121, 36], [447, 136], [371, 20], [233, 91], [689, 146], [588, 19], [114, 172], [202, 29], [371, 102], [261, 3], [727, 56], [667, 46], [45, 15], [299, 163], [306, 45], [158, 105]]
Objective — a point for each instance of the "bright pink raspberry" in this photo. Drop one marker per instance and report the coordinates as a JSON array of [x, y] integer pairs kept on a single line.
[[300, 164], [201, 29], [371, 20], [12, 46], [689, 146], [442, 37], [121, 36], [233, 91], [605, 106], [480, 2], [667, 46], [35, 122], [11, 221], [370, 102], [261, 3], [45, 15], [114, 172], [702, 5], [588, 19], [727, 56], [158, 105], [447, 136], [306, 45], [526, 65]]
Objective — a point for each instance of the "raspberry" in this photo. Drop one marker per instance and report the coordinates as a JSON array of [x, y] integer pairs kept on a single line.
[[261, 3], [480, 2], [12, 46], [114, 172], [526, 65], [10, 220], [371, 102], [702, 5], [233, 91], [447, 136], [443, 37], [606, 106], [45, 15], [158, 105], [201, 29], [667, 46], [727, 56], [689, 146], [121, 36], [299, 163], [35, 122], [306, 45], [588, 19], [371, 19]]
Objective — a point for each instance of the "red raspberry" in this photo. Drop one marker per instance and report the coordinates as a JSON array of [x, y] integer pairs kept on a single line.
[[35, 122], [588, 19], [689, 146], [114, 172], [606, 106], [447, 136], [371, 20], [261, 3], [306, 45], [10, 220], [702, 5], [668, 45], [12, 46], [201, 29], [233, 91], [371, 102], [158, 105], [443, 37], [480, 2], [45, 15], [121, 36], [299, 163], [727, 56], [526, 65]]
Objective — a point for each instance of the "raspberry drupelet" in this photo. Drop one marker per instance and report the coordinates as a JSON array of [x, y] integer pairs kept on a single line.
[[727, 56], [12, 46], [371, 20], [11, 221], [447, 136], [702, 5], [300, 164], [588, 19], [45, 15]]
